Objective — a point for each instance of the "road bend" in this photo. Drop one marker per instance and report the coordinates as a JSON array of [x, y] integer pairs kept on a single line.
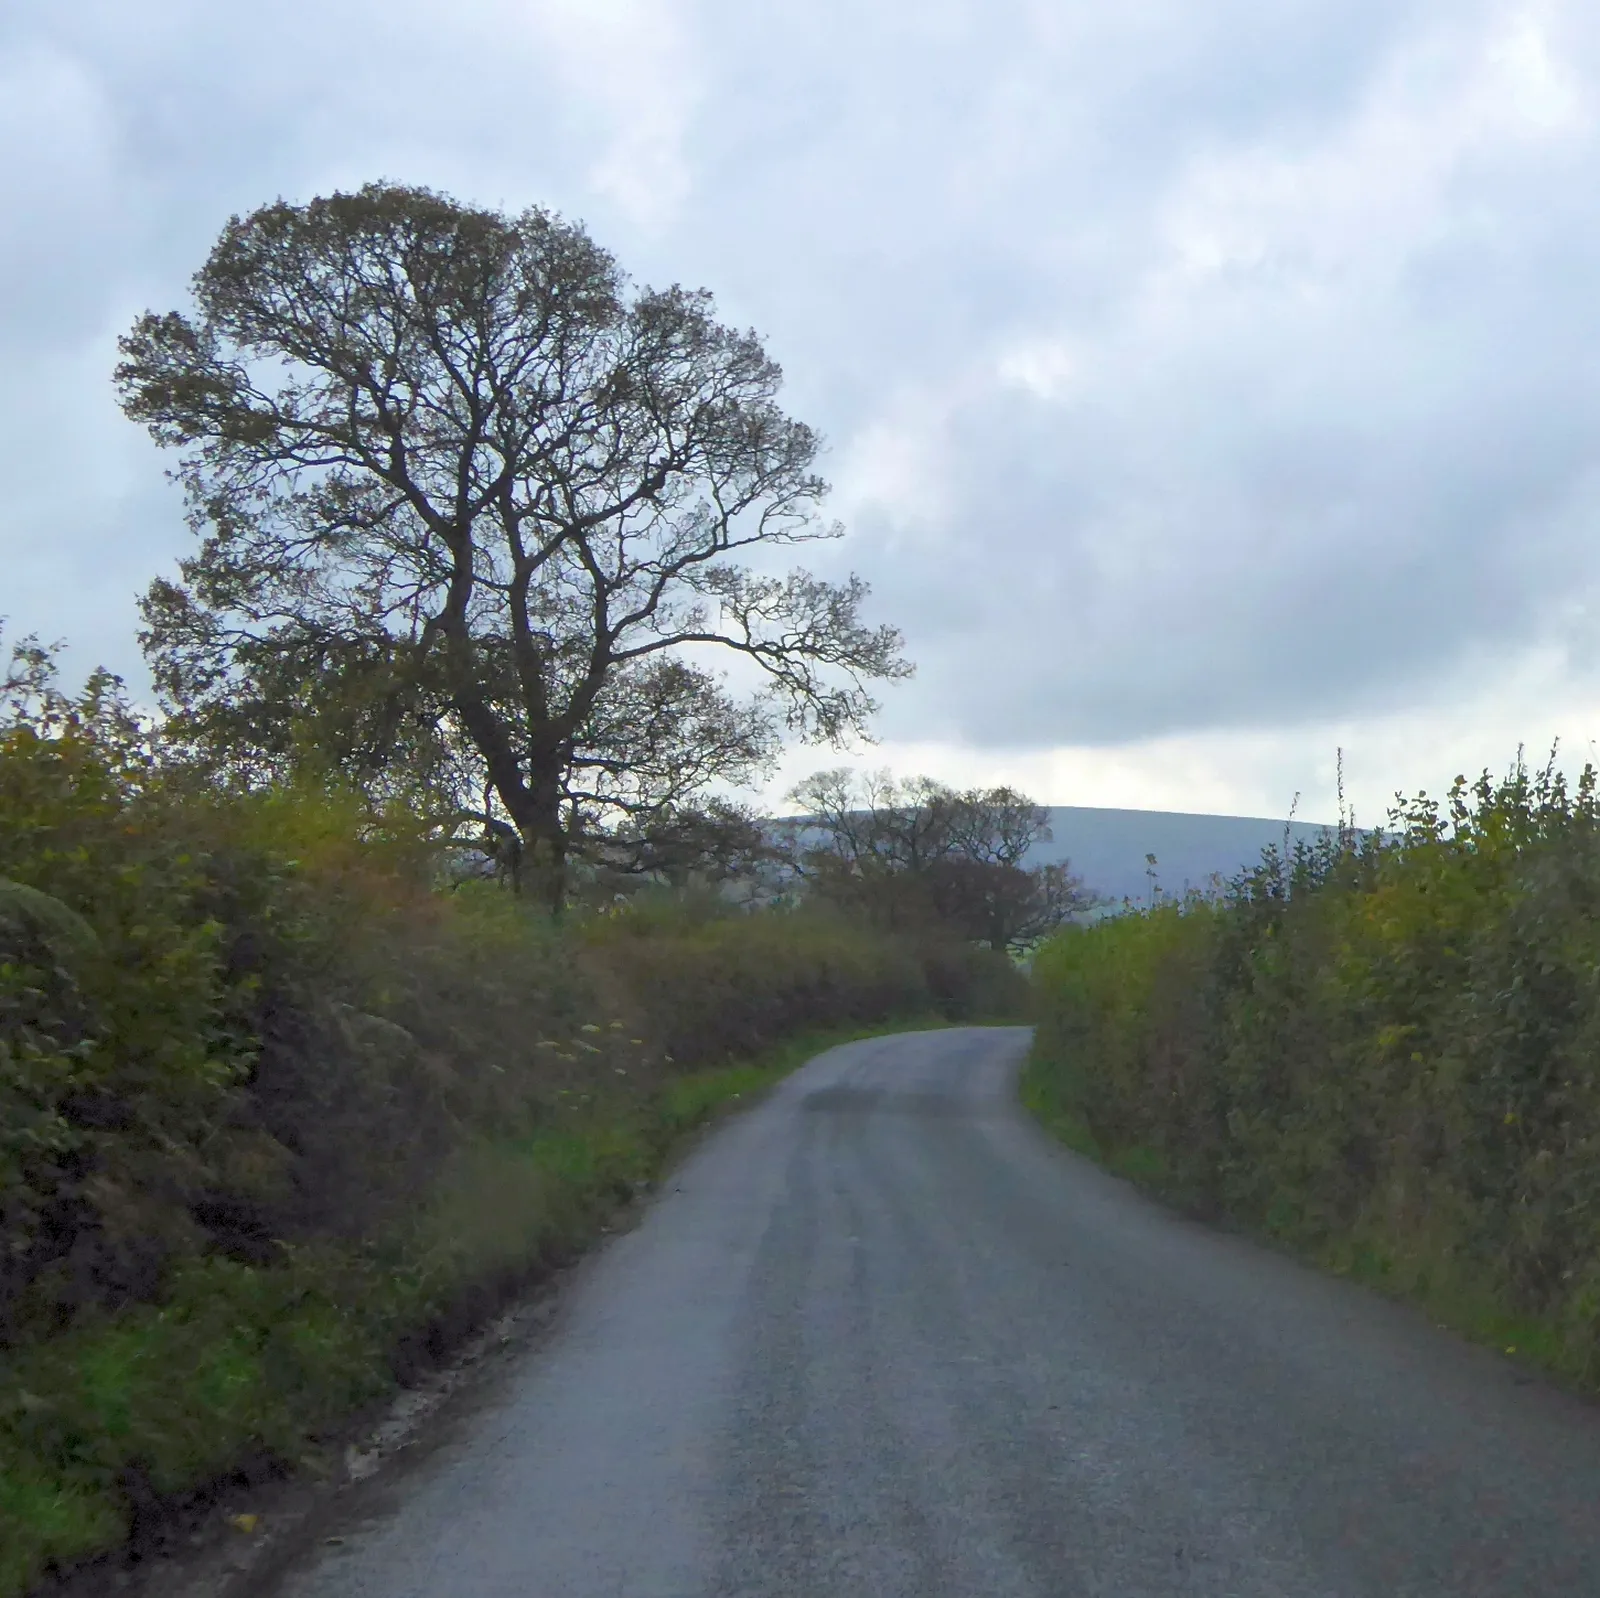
[[880, 1336]]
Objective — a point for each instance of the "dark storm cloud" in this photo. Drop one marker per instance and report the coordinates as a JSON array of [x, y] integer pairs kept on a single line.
[[1183, 367]]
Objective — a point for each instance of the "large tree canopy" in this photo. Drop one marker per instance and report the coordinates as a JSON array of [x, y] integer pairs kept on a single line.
[[474, 517]]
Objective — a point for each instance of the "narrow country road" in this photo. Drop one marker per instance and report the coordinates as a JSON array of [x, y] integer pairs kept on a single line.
[[881, 1338]]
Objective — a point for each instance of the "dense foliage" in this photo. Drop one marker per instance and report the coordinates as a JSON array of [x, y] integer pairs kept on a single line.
[[1381, 1049], [281, 1111]]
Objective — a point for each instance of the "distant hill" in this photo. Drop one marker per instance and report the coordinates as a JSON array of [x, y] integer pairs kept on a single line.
[[1107, 848]]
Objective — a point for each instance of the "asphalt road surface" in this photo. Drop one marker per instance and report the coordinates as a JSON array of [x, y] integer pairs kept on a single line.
[[881, 1337]]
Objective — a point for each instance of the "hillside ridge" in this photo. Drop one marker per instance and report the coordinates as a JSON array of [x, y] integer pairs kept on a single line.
[[1107, 847]]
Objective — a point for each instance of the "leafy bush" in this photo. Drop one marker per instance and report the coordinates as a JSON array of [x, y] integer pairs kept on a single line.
[[119, 1041], [281, 1117], [1380, 1049]]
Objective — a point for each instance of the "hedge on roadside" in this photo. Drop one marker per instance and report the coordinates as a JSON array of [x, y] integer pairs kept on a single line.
[[1382, 1050], [280, 1119]]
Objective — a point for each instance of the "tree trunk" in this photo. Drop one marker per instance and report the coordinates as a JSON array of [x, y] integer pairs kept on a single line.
[[544, 855], [545, 870]]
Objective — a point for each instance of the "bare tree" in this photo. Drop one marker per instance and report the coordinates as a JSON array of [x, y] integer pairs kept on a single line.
[[914, 850], [472, 515], [873, 822]]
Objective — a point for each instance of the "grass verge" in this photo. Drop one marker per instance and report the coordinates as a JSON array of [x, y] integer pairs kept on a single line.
[[121, 1428], [1426, 1274], [1137, 1163]]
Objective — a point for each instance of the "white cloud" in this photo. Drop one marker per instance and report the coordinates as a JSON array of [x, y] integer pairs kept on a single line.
[[1206, 385], [1046, 368], [1528, 81], [635, 65], [59, 190], [1348, 211], [895, 465]]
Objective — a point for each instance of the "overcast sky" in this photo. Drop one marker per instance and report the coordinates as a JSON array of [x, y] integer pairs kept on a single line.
[[1205, 386]]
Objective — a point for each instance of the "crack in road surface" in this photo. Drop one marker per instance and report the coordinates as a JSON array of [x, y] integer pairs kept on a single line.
[[881, 1337]]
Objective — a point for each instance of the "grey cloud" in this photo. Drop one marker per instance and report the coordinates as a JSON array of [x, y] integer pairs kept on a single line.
[[1350, 462]]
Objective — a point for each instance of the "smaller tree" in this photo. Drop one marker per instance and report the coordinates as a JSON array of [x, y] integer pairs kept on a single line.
[[914, 851]]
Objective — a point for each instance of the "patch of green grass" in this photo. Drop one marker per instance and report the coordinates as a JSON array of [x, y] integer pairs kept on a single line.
[[45, 1518], [239, 1363], [1045, 1094], [1147, 1167], [245, 1363], [1041, 1097]]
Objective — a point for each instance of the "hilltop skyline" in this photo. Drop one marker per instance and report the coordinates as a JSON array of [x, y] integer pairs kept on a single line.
[[1205, 391]]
